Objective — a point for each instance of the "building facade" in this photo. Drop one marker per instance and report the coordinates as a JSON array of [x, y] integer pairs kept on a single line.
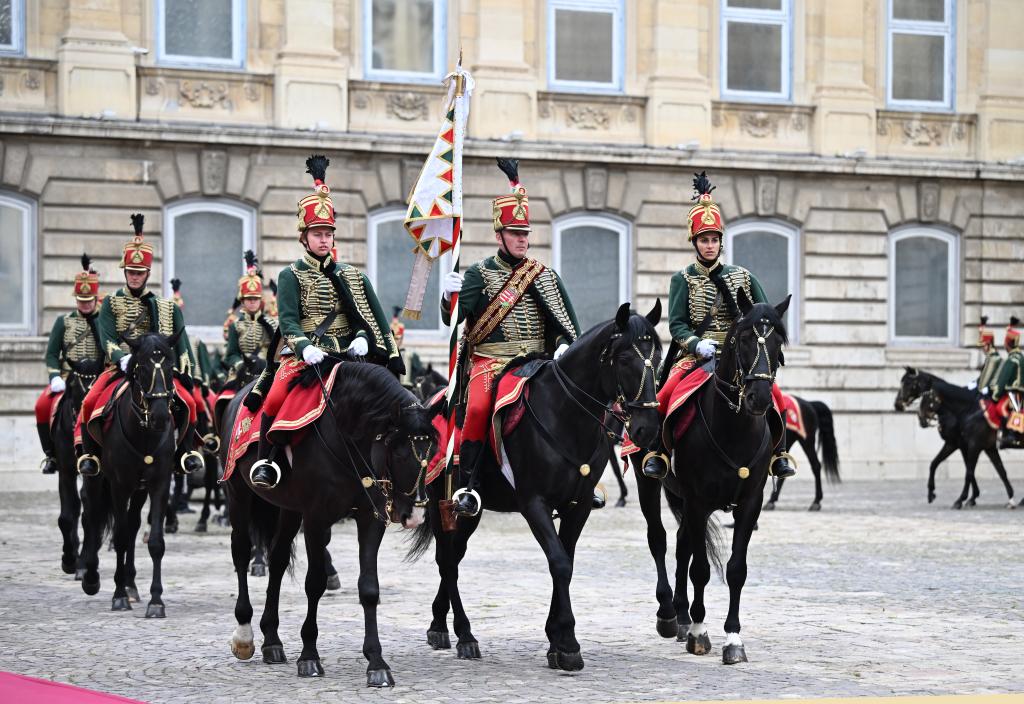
[[869, 158]]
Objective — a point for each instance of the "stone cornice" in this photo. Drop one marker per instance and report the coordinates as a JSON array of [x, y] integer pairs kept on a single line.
[[626, 155]]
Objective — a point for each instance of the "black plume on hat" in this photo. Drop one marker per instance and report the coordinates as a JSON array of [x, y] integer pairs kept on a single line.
[[175, 285], [137, 220], [87, 263], [316, 166], [1014, 320], [984, 320], [509, 167], [702, 185]]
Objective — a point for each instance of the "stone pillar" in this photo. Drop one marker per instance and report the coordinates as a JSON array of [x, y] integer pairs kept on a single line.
[[310, 75], [679, 92], [505, 99], [845, 116], [1001, 98], [96, 65]]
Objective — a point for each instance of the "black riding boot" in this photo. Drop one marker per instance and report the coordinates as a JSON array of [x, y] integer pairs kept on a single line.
[[467, 501], [265, 472], [655, 462], [89, 457], [782, 463], [49, 463]]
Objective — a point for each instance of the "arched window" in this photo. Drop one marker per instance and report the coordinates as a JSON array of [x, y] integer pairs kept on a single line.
[[18, 264], [203, 245], [770, 250], [924, 286], [591, 253], [389, 261]]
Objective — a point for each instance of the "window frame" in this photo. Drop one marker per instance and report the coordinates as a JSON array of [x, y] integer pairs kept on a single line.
[[238, 44], [397, 214], [28, 265], [394, 76], [792, 235], [17, 45], [617, 10], [782, 18], [947, 30], [952, 240], [247, 214], [605, 221]]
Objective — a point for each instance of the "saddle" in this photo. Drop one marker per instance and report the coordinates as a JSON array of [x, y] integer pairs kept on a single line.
[[103, 417]]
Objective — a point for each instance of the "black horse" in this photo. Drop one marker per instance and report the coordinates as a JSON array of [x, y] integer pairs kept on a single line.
[[138, 458], [821, 437], [367, 454], [962, 426], [82, 374], [719, 463], [557, 454]]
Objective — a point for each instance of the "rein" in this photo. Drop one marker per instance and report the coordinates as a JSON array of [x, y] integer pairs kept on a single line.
[[742, 471], [739, 384]]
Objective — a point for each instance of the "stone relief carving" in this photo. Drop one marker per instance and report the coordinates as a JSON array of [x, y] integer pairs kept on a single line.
[[586, 117], [361, 101], [154, 86], [31, 80], [407, 106], [213, 170], [928, 201], [205, 95], [767, 194], [758, 124], [252, 92], [596, 181], [921, 133], [545, 109], [798, 121]]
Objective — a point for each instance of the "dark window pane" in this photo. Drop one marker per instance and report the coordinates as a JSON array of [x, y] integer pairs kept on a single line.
[[590, 269], [754, 57], [394, 263], [921, 281], [918, 67], [928, 10], [766, 256], [757, 4], [583, 46], [12, 278], [200, 28], [207, 259], [403, 35], [6, 23]]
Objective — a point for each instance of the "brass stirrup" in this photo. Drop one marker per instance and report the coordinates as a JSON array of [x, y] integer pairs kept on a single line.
[[664, 458], [211, 443], [273, 466], [190, 453], [781, 455], [94, 458]]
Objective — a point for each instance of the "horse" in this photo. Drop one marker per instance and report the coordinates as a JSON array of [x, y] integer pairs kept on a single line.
[[930, 412], [82, 374], [962, 426], [369, 415], [732, 408], [821, 437], [557, 453], [138, 457]]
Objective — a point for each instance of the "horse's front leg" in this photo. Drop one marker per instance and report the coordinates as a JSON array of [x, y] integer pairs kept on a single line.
[[134, 518], [158, 496], [736, 575], [437, 632], [70, 510], [280, 555], [697, 640], [317, 536], [649, 495], [371, 532], [970, 463], [997, 462], [947, 450], [242, 645], [95, 502], [119, 503], [452, 552]]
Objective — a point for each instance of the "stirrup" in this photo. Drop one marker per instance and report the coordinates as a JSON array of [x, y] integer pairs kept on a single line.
[[664, 458], [781, 456], [83, 458], [263, 484], [190, 453], [459, 494], [211, 443], [46, 461]]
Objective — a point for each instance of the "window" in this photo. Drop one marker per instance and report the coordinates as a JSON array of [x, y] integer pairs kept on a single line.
[[771, 252], [203, 245], [201, 32], [924, 286], [405, 39], [592, 255], [12, 26], [585, 49], [921, 54], [17, 265], [388, 264], [756, 48]]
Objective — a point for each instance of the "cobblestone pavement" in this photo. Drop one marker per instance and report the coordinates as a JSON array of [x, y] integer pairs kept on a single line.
[[878, 594]]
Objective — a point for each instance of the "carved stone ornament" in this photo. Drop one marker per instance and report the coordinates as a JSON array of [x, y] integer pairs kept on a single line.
[[767, 194], [213, 170], [205, 95], [32, 80], [545, 108], [407, 106], [758, 124], [587, 117], [921, 134], [596, 182], [928, 201], [252, 92], [154, 86], [361, 101]]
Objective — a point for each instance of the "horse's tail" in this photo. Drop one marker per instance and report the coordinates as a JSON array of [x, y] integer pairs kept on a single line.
[[827, 440], [420, 539], [714, 541]]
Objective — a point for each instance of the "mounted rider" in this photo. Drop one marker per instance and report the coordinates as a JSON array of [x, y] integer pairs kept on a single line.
[[74, 337], [325, 308], [129, 312], [1011, 381], [250, 333], [702, 307], [990, 365], [513, 306]]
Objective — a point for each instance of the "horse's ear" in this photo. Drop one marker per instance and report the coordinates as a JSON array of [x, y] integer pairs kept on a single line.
[[654, 316], [430, 367], [782, 358], [743, 301], [782, 307], [622, 316], [130, 341], [173, 339], [911, 371]]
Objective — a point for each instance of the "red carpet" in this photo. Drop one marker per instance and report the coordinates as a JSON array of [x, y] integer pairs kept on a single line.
[[19, 688]]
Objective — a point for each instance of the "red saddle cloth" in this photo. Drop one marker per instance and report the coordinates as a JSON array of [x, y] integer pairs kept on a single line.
[[793, 416], [995, 411], [54, 405], [102, 414]]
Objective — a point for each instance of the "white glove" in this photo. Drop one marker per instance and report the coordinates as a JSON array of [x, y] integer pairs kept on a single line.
[[984, 391], [561, 350], [706, 349], [973, 385], [452, 284], [358, 347], [56, 385], [313, 355], [124, 362]]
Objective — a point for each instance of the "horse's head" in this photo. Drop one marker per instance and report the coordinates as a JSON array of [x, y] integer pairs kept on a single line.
[[151, 375], [753, 351], [252, 366], [929, 408], [83, 373], [912, 385], [405, 450], [425, 385], [629, 368]]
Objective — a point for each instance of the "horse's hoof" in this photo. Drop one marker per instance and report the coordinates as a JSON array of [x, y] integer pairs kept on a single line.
[[1010, 505], [201, 527], [931, 496], [120, 603], [468, 651], [439, 640], [971, 503], [258, 569], [241, 649], [79, 573], [171, 528], [668, 627], [67, 566], [958, 504], [91, 588], [732, 654], [155, 611], [816, 506], [333, 582], [620, 503], [698, 645], [311, 668], [570, 662], [273, 654], [379, 678], [133, 594], [552, 659], [770, 506]]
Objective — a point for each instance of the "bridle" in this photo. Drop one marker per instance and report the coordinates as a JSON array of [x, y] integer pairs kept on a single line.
[[140, 407], [760, 367], [910, 392]]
